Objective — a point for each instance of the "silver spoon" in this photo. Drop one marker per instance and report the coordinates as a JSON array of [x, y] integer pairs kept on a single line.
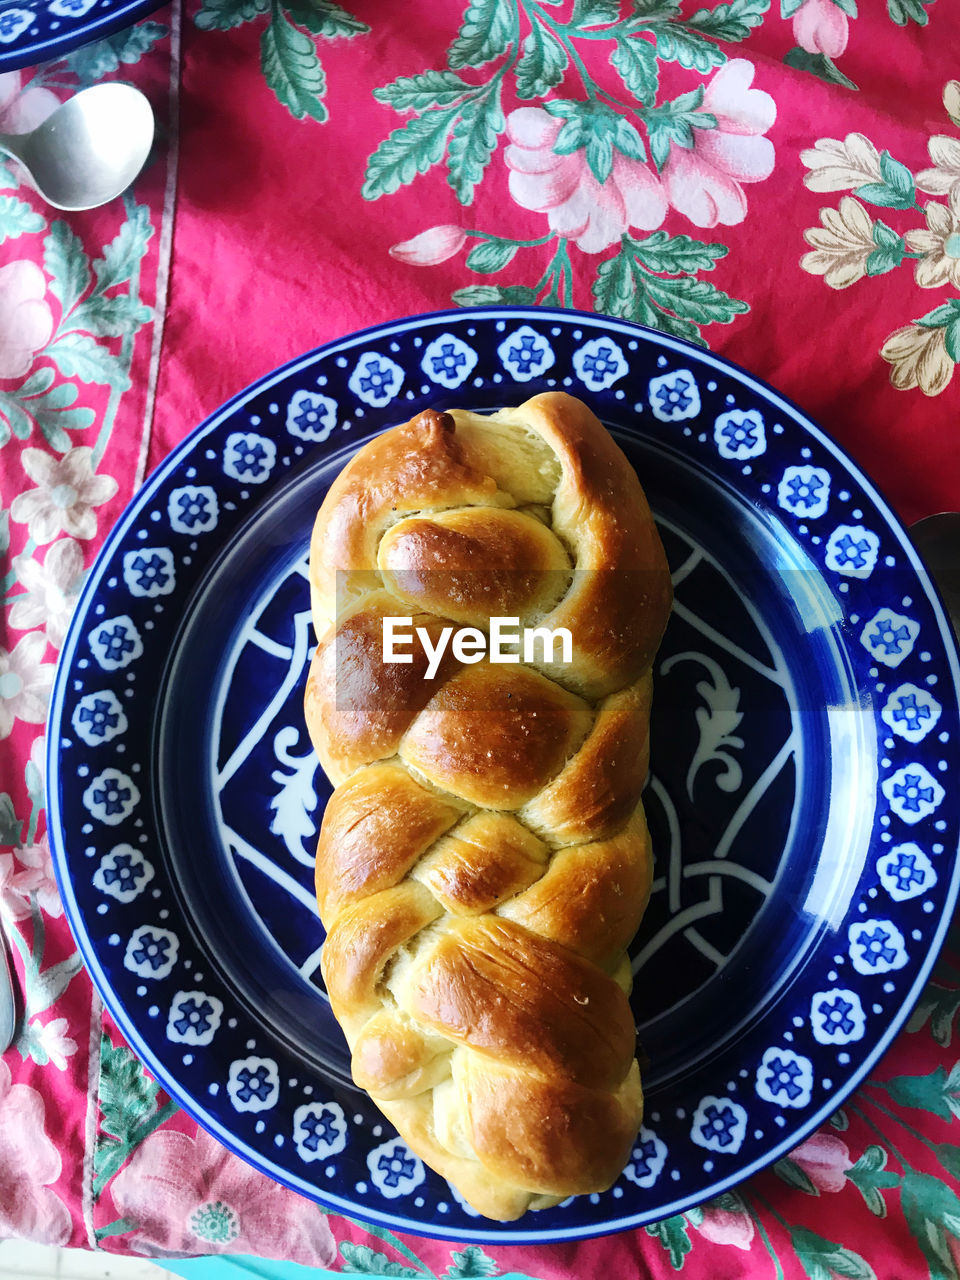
[[90, 149], [8, 1016], [937, 538]]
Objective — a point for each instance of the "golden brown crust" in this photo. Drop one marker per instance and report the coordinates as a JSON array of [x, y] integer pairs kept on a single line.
[[590, 896], [375, 827], [599, 788], [495, 735], [511, 995], [461, 564], [404, 470], [357, 706], [484, 860], [553, 1136]]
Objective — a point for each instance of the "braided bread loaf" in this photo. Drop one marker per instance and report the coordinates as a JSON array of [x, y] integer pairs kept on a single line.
[[483, 863]]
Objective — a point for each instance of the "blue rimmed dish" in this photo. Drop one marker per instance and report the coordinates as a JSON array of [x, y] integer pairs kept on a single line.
[[33, 31], [805, 738]]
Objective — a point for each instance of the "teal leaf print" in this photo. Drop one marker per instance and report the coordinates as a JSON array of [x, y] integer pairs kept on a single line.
[[678, 327], [53, 414], [10, 825], [789, 7], [790, 1172], [110, 317], [673, 123], [126, 48], [223, 15], [904, 11], [38, 402], [4, 543], [474, 141], [941, 316], [824, 1259], [542, 65], [732, 21], [128, 1108], [646, 11], [931, 1209], [949, 1157], [125, 251], [485, 34], [819, 65], [325, 18], [77, 355], [594, 13], [360, 1258], [478, 295], [869, 1175], [29, 1044], [839, 1120], [677, 254], [17, 218], [426, 89], [118, 1228], [288, 56], [889, 252], [470, 1264], [67, 265], [14, 420], [675, 305], [673, 1235], [407, 151], [849, 7], [595, 128], [491, 255], [940, 1005], [288, 59], [635, 61], [695, 300], [896, 191], [937, 1092], [48, 986], [690, 49]]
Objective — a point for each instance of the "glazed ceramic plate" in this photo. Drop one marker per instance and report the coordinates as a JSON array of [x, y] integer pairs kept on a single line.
[[34, 31], [802, 796]]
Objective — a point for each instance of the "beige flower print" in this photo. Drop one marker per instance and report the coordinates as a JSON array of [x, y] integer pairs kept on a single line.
[[69, 490], [939, 242], [841, 166], [919, 359], [944, 177], [25, 681], [841, 246], [852, 241], [50, 590], [951, 100]]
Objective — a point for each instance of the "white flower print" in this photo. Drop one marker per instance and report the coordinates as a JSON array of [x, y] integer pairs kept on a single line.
[[38, 758], [69, 490], [51, 590], [16, 887], [54, 1041], [36, 859], [25, 681]]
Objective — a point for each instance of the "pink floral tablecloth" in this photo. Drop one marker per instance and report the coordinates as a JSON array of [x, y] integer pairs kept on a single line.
[[779, 181]]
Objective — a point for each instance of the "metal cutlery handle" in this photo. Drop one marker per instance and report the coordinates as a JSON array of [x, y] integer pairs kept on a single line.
[[8, 1013]]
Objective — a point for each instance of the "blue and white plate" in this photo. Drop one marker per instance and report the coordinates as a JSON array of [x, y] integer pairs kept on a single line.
[[802, 796], [34, 31]]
